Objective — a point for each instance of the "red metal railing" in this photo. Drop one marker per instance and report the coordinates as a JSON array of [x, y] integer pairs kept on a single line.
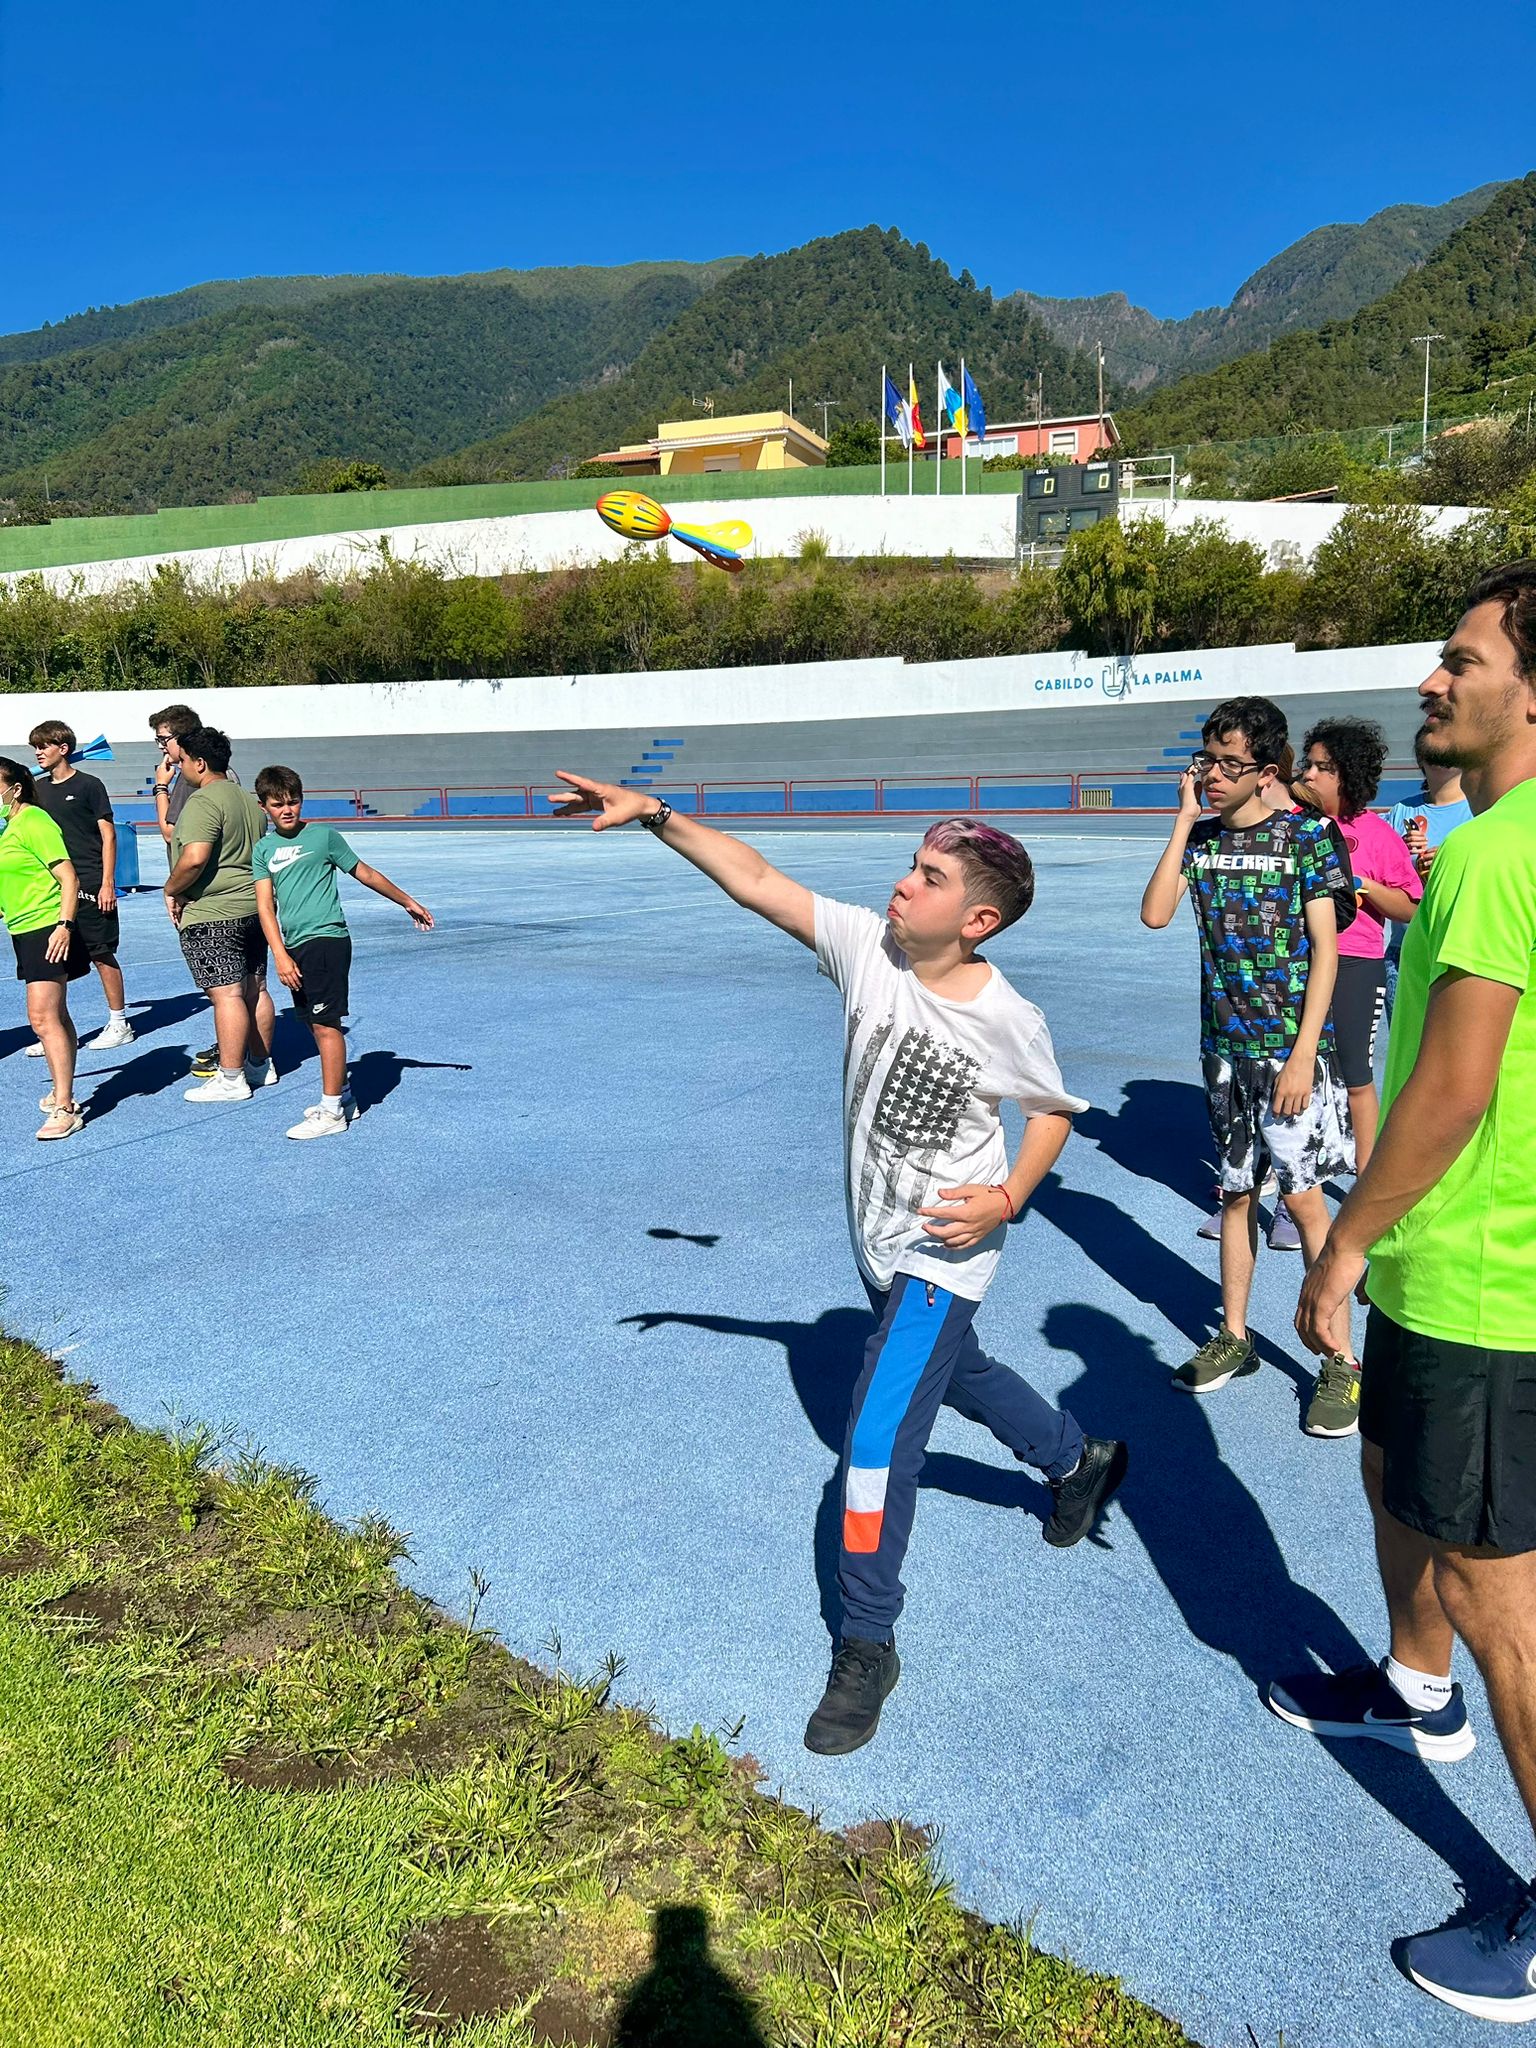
[[421, 803]]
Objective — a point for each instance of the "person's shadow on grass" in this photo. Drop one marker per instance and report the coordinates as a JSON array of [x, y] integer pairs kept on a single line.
[[1149, 1272], [685, 2000], [825, 1359], [1211, 1545]]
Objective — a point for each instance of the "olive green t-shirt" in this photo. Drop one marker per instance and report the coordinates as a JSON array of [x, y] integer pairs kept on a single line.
[[1462, 1263], [227, 818], [29, 889]]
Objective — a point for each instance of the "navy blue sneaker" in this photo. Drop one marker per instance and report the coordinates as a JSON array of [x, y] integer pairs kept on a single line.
[[1487, 1969], [1363, 1701]]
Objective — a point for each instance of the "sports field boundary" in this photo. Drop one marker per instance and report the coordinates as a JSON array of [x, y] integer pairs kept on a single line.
[[385, 1824]]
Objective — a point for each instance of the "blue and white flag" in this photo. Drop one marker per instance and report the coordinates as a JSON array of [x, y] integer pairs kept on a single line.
[[899, 413]]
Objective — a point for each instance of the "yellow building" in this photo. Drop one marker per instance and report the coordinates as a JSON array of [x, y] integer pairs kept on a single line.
[[711, 447]]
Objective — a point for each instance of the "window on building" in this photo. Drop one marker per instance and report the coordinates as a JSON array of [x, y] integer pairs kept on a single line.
[[1063, 440], [1041, 483], [718, 465]]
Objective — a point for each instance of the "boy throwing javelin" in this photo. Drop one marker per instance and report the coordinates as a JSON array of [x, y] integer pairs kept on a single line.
[[935, 1040], [299, 906]]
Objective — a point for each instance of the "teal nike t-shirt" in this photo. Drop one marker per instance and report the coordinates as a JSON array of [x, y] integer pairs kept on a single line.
[[302, 870]]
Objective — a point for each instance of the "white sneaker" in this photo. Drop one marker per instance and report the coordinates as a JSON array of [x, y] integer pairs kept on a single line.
[[35, 1052], [117, 1034], [348, 1106], [219, 1089], [319, 1123], [263, 1076]]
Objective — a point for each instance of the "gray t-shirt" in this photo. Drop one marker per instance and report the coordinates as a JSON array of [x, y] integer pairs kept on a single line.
[[923, 1080]]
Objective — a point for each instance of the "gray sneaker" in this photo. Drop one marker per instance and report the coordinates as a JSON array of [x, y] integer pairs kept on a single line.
[[1335, 1406], [1220, 1359]]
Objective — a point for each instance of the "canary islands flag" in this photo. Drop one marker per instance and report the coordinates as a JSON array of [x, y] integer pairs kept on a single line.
[[896, 412], [975, 411], [950, 401], [915, 411]]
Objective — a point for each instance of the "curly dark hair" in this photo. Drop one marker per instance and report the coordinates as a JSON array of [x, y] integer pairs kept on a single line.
[[1359, 750]]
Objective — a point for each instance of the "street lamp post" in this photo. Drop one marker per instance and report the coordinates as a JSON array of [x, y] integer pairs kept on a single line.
[[1427, 339]]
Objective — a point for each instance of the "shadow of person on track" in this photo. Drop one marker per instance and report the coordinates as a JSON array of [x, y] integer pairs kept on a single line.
[[376, 1075], [685, 2000], [106, 1088], [159, 1013], [825, 1359], [1148, 1271], [1160, 1133], [1211, 1545]]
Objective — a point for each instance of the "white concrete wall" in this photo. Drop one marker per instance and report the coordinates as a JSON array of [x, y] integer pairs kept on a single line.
[[978, 527], [735, 696]]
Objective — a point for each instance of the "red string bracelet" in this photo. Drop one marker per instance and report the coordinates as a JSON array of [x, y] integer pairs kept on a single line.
[[996, 1187]]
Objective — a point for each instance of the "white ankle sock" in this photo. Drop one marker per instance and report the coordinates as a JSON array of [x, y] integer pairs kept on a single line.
[[230, 1074], [1420, 1689], [117, 1016], [331, 1104]]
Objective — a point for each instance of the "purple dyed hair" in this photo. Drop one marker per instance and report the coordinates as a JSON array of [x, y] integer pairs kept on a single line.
[[996, 868]]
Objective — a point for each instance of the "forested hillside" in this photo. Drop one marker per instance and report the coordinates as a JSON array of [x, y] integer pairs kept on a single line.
[[189, 410], [1328, 275], [828, 315], [1478, 290]]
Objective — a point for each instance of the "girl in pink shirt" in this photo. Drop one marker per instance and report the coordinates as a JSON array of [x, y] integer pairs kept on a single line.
[[1340, 774]]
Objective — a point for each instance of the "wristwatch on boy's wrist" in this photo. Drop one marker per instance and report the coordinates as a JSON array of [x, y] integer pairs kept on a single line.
[[657, 819]]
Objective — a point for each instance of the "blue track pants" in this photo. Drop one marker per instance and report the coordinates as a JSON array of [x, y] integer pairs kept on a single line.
[[923, 1356]]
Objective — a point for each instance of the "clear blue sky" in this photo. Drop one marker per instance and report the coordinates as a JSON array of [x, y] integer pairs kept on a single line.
[[1166, 151]]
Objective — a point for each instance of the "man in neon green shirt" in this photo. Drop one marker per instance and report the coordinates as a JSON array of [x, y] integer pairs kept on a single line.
[[1447, 1211]]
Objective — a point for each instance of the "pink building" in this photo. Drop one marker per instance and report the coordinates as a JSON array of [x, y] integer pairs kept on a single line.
[[1077, 436]]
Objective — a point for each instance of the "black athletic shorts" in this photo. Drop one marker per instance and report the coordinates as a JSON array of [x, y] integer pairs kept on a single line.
[[99, 930], [325, 965], [1359, 995], [33, 964], [1456, 1427]]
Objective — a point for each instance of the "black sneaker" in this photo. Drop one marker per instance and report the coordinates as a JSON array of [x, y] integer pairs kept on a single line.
[[205, 1064], [1084, 1494], [863, 1677]]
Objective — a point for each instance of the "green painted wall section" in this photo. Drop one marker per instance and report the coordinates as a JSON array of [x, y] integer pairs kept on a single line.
[[180, 528]]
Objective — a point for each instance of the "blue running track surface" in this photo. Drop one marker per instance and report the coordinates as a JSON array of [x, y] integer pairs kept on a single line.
[[572, 1303]]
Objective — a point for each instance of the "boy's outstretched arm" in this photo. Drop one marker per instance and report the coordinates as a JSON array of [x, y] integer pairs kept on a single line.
[[381, 885], [741, 872], [1160, 898]]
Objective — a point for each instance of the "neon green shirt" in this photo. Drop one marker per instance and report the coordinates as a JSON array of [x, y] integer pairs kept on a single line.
[[1462, 1263], [29, 889]]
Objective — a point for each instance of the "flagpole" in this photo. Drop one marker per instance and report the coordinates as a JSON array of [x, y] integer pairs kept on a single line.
[[885, 378], [938, 415], [912, 436], [965, 435]]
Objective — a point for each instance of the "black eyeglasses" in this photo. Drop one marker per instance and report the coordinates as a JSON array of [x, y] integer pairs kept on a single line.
[[1229, 767]]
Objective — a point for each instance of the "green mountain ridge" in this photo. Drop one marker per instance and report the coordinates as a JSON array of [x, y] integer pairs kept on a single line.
[[243, 397], [1478, 290], [1327, 275], [827, 315]]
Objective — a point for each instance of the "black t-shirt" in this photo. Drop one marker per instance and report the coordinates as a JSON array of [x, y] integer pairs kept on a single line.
[[77, 806]]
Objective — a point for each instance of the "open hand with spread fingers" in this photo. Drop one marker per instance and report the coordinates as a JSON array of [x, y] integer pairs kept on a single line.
[[613, 805]]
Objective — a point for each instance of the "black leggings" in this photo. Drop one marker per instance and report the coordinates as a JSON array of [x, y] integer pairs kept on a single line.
[[1358, 997]]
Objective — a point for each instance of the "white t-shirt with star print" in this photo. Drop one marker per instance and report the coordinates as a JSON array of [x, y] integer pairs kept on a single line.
[[923, 1080]]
